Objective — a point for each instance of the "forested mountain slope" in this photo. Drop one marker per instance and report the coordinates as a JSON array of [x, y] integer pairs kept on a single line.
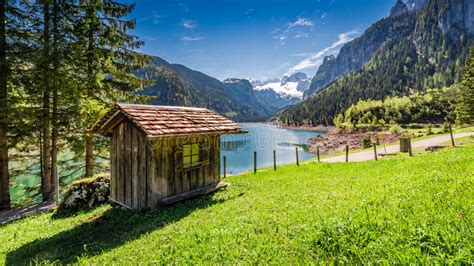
[[178, 85], [355, 54], [426, 49]]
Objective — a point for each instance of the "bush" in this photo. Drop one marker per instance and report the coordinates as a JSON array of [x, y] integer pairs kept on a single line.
[[429, 130], [86, 193], [396, 129], [445, 127], [414, 126], [366, 142], [347, 127]]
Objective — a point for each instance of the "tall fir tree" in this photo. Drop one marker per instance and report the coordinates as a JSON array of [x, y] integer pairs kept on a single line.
[[465, 105], [4, 72], [15, 50], [44, 67], [107, 52]]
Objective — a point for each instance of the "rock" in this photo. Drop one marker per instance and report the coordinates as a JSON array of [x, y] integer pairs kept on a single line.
[[416, 4], [398, 9], [86, 193], [434, 148]]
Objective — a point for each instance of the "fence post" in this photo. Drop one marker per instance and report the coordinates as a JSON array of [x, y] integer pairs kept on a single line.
[[347, 153], [255, 162], [274, 161], [409, 148], [375, 151], [451, 133], [317, 149], [297, 159], [225, 162]]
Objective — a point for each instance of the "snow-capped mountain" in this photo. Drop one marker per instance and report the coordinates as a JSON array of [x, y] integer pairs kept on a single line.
[[267, 101], [293, 85]]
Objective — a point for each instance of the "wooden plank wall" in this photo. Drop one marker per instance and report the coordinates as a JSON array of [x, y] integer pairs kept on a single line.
[[143, 171], [174, 179], [216, 159], [129, 166], [120, 165], [113, 165], [153, 182]]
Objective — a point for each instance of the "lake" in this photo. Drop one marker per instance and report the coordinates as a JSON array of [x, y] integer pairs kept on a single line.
[[264, 138]]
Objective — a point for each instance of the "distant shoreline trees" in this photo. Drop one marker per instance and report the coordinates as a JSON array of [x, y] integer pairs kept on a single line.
[[433, 106], [465, 106]]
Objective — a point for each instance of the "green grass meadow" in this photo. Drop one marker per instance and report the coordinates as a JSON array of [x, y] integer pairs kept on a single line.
[[402, 210]]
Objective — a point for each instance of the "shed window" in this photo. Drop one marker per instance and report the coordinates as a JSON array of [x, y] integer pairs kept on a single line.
[[191, 155]]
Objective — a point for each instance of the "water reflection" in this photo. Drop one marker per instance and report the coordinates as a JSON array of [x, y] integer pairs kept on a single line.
[[233, 145], [264, 138]]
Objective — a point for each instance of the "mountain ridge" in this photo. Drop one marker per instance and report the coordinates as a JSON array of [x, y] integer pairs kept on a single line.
[[417, 50], [177, 84]]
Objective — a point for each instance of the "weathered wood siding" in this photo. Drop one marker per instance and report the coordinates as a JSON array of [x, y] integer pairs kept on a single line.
[[175, 179], [129, 166], [143, 172]]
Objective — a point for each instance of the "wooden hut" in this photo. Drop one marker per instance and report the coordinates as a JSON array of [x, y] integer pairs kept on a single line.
[[162, 154]]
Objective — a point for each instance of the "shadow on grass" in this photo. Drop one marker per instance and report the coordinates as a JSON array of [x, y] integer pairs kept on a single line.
[[105, 232], [63, 214]]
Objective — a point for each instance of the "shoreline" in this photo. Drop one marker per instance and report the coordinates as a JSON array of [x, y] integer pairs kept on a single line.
[[327, 129], [321, 128]]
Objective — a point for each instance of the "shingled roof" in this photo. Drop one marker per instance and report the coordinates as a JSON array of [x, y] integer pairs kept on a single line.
[[159, 121]]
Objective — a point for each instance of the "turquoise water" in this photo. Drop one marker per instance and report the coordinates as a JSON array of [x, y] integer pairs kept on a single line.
[[264, 138]]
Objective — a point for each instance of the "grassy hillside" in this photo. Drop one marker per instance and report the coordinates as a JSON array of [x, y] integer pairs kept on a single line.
[[401, 210]]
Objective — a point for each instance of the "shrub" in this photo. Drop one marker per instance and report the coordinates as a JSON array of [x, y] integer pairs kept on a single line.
[[396, 129], [445, 127], [414, 126], [366, 142], [429, 130], [348, 127]]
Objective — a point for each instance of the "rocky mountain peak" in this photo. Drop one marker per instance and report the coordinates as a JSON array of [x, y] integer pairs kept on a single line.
[[399, 8], [328, 58], [295, 77], [416, 4], [237, 81]]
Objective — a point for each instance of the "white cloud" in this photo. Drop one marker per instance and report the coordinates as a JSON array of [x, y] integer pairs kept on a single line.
[[316, 59], [191, 39], [189, 24], [324, 15], [299, 22], [301, 34], [281, 38], [294, 30], [156, 17]]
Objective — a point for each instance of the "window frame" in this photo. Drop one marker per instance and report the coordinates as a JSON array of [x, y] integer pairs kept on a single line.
[[194, 155]]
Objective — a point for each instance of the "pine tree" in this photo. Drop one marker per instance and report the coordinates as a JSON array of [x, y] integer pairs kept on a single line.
[[465, 105], [108, 50], [15, 41], [4, 72], [44, 67]]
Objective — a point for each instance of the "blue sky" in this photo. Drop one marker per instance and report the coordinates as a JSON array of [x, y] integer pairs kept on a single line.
[[257, 39]]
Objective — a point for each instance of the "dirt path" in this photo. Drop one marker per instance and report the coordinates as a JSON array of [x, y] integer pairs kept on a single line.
[[12, 215], [369, 154]]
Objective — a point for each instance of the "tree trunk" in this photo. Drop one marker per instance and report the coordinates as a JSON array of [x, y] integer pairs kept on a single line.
[[4, 71], [90, 92], [46, 181], [89, 155], [54, 123]]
